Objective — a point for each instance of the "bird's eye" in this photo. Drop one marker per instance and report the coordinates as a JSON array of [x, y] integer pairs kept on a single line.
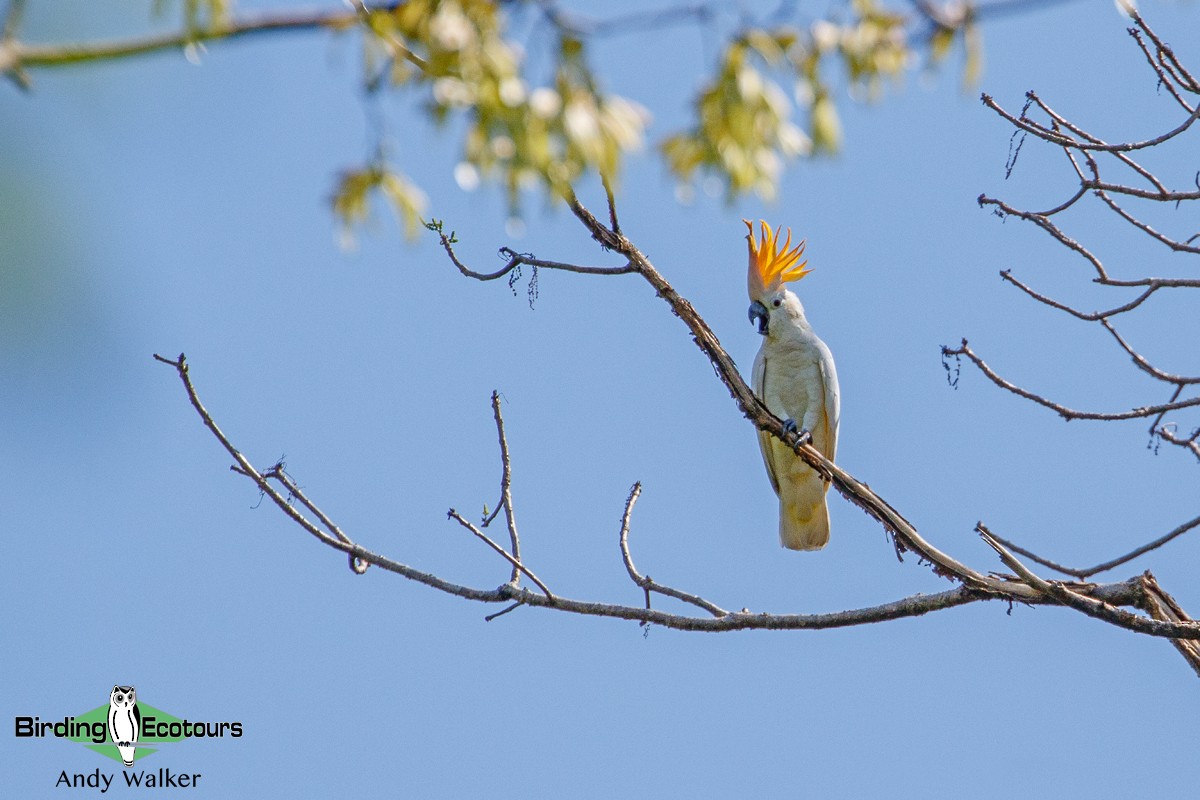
[[777, 302]]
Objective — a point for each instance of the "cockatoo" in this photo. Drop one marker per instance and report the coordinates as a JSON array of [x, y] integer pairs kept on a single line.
[[795, 377]]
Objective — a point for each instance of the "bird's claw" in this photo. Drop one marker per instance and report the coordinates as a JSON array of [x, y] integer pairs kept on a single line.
[[801, 435]]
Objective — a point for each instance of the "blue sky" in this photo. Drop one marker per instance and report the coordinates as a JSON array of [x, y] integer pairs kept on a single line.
[[159, 206]]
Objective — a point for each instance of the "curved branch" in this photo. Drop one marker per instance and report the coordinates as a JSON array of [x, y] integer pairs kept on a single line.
[[15, 55], [243, 467], [1084, 574], [578, 25], [1160, 605], [1146, 366], [646, 583], [1087, 316], [517, 565], [1045, 224], [1054, 137], [1093, 607], [1179, 247], [1152, 285], [516, 259], [904, 534], [1092, 599], [1061, 410], [1165, 54], [506, 503], [1167, 434], [1166, 77], [1130, 592], [1116, 188]]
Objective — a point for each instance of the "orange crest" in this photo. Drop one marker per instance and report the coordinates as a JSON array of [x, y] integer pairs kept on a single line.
[[771, 265]]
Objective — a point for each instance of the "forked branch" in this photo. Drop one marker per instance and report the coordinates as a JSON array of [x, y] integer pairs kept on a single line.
[[1127, 593], [1088, 156], [1107, 602]]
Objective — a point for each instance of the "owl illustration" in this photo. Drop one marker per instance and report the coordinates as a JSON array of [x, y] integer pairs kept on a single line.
[[124, 721]]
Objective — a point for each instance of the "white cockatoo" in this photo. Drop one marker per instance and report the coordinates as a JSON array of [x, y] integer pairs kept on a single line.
[[795, 378]]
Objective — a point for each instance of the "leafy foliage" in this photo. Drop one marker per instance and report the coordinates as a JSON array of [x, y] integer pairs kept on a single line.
[[464, 64], [456, 51]]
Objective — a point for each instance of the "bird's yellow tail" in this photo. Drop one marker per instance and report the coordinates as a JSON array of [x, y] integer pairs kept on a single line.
[[804, 516]]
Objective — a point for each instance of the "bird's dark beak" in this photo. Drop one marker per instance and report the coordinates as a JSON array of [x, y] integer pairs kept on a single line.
[[758, 313]]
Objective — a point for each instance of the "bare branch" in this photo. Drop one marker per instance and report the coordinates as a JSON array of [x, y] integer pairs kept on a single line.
[[1160, 605], [454, 515], [278, 473], [23, 55], [516, 259], [1167, 434], [976, 586], [1084, 574], [1152, 285], [506, 490], [1045, 224], [1116, 188], [1091, 606], [579, 25], [244, 467], [1166, 54], [905, 535], [1166, 77], [612, 205], [647, 584], [907, 607], [1061, 410], [1054, 137], [1143, 364], [1179, 247], [502, 612]]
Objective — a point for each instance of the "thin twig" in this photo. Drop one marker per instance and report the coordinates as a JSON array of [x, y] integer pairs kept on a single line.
[[1061, 410], [24, 55], [647, 584], [1143, 364], [1145, 194], [1084, 574], [1179, 247], [1087, 316], [506, 501], [1049, 135], [638, 21], [394, 42], [1166, 77], [516, 259], [243, 465], [278, 473], [454, 515], [502, 612], [1167, 434], [1187, 80], [915, 605], [612, 205], [1045, 224], [1090, 605]]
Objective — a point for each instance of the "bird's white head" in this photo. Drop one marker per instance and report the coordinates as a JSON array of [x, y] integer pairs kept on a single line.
[[771, 266]]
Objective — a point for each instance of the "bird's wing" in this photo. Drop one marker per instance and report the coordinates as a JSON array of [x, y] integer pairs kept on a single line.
[[758, 382], [833, 403]]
